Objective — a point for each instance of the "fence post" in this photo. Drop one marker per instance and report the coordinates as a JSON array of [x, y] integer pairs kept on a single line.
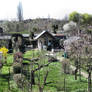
[[64, 85], [1, 56], [9, 79]]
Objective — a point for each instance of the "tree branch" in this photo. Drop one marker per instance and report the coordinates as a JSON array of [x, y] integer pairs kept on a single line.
[[41, 67], [32, 60], [45, 77]]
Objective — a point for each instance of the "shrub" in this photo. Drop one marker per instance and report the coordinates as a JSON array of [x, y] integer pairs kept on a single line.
[[66, 66], [18, 57], [21, 80], [17, 68]]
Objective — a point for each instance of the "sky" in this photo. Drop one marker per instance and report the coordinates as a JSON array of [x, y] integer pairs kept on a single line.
[[43, 8]]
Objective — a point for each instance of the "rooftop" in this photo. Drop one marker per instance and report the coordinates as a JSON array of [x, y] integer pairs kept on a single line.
[[43, 32]]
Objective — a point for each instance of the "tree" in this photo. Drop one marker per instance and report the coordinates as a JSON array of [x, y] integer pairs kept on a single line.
[[17, 27], [74, 16], [1, 30], [35, 29], [65, 66], [88, 55], [31, 34], [55, 27], [70, 28], [80, 18], [86, 18], [20, 12], [73, 46]]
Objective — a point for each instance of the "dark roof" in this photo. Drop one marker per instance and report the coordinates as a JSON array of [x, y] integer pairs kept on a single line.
[[59, 36]]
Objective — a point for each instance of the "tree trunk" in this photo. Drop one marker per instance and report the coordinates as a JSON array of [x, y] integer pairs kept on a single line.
[[76, 70], [40, 89], [89, 81], [32, 78], [9, 80], [79, 69], [65, 68], [64, 85], [80, 73]]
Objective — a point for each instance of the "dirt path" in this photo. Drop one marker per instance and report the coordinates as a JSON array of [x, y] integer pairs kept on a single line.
[[73, 67]]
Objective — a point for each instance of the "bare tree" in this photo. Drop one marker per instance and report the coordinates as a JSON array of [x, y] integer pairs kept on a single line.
[[74, 47], [55, 28]]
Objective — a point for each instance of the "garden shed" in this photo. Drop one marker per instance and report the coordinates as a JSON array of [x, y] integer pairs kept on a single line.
[[44, 40]]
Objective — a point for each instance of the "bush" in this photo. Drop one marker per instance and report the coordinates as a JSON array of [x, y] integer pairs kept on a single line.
[[18, 57], [17, 68], [66, 66], [21, 81]]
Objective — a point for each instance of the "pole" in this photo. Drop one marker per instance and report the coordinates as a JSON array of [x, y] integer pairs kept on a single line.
[[64, 85], [89, 79], [9, 79]]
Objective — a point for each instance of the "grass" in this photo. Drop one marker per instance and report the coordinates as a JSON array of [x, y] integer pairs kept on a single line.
[[58, 80], [22, 32], [55, 77]]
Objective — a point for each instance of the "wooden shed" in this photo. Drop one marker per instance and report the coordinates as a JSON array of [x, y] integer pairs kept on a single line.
[[44, 40]]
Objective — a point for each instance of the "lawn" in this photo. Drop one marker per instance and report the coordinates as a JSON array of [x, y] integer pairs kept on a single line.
[[57, 81]]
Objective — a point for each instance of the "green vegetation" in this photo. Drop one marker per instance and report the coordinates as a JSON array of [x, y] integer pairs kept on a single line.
[[74, 16], [82, 18], [55, 80], [22, 32]]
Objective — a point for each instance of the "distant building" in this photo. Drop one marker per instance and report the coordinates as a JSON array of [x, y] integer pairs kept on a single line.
[[44, 40], [7, 40]]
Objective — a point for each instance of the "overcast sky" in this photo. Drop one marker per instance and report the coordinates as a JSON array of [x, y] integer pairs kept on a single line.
[[43, 8]]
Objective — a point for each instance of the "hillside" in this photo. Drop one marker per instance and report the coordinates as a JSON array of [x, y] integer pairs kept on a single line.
[[28, 25]]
